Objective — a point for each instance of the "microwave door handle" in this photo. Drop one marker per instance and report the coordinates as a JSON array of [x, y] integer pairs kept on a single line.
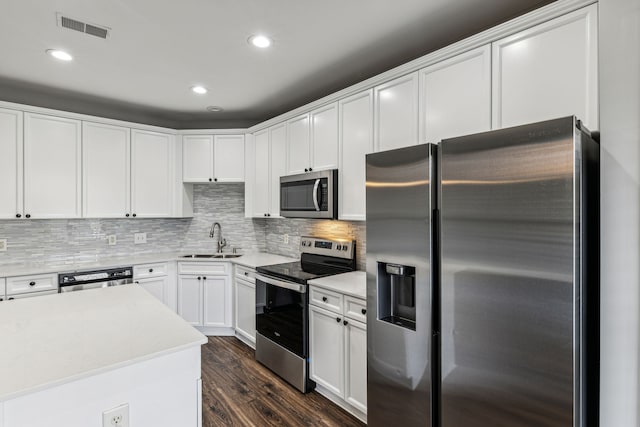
[[315, 195]]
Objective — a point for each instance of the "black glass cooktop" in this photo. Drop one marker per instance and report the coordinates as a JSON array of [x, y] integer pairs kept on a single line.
[[300, 272]]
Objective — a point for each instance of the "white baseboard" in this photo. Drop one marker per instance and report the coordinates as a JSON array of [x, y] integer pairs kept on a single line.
[[342, 403]]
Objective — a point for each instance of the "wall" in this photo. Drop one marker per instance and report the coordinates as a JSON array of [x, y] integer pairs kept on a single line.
[[619, 49]]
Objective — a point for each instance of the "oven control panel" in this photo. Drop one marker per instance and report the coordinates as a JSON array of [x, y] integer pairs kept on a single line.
[[341, 248]]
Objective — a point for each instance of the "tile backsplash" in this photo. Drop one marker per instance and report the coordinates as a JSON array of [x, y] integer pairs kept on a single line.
[[85, 240]]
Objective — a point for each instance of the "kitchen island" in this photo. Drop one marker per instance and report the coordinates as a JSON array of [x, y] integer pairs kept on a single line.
[[67, 358]]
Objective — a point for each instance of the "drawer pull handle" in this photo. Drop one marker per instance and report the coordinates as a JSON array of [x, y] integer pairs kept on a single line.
[[345, 323], [32, 283], [364, 311], [9, 299], [324, 299], [338, 319]]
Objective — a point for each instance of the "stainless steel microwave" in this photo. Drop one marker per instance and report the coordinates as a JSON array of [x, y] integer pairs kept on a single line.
[[310, 195]]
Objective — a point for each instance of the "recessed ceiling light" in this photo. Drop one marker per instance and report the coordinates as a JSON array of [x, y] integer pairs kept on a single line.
[[260, 41], [214, 109], [60, 54], [200, 90]]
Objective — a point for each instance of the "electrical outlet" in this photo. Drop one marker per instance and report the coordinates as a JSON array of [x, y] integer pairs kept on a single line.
[[116, 417], [285, 238], [3, 245], [111, 239], [139, 238]]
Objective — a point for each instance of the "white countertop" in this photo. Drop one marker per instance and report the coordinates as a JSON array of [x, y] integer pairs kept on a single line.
[[55, 339], [353, 283], [251, 260]]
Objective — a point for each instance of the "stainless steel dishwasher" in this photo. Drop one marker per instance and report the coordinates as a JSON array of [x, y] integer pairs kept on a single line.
[[91, 279]]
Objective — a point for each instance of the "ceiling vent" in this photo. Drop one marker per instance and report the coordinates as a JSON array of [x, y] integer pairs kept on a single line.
[[83, 27]]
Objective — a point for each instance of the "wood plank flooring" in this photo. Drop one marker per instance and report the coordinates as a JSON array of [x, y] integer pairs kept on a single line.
[[238, 391]]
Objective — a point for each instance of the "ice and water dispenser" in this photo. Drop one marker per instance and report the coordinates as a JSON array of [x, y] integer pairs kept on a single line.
[[397, 294]]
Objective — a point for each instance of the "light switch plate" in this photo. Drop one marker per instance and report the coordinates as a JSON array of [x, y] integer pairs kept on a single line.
[[116, 417], [139, 238], [3, 245], [112, 239]]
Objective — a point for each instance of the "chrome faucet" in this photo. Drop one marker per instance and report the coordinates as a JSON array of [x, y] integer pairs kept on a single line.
[[221, 242]]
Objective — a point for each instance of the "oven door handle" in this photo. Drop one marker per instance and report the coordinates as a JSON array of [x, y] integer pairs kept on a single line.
[[301, 289], [315, 195]]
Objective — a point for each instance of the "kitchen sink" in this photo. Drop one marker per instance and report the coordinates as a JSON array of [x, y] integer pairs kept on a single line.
[[214, 256]]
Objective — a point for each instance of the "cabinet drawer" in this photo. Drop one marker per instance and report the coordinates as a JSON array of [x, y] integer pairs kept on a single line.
[[203, 268], [246, 273], [326, 299], [32, 294], [26, 284], [355, 308], [143, 271]]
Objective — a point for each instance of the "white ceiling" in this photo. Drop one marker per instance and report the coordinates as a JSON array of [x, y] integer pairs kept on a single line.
[[158, 49]]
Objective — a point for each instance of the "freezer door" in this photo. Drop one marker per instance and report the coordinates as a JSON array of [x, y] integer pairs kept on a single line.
[[509, 291], [399, 292]]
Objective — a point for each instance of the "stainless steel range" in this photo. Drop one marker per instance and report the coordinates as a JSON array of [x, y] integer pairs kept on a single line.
[[282, 313]]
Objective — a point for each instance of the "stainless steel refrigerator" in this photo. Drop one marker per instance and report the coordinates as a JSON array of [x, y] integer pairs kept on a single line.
[[483, 280]]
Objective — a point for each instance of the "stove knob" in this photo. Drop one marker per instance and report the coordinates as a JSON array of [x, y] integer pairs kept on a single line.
[[339, 247], [304, 243]]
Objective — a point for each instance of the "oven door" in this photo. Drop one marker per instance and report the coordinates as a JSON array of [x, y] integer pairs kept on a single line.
[[281, 313], [310, 195]]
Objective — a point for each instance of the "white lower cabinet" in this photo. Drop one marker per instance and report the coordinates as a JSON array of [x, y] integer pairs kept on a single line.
[[245, 304], [159, 279], [338, 346], [205, 297]]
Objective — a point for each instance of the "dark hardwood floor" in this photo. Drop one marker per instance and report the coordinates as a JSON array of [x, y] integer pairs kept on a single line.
[[238, 391]]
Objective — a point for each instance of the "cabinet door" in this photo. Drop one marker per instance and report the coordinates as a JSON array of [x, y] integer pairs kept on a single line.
[[324, 137], [455, 96], [261, 195], [355, 362], [326, 349], [396, 113], [228, 158], [245, 312], [52, 167], [10, 164], [151, 174], [217, 310], [197, 158], [156, 286], [190, 299], [356, 140], [106, 178], [278, 161], [548, 71], [298, 158]]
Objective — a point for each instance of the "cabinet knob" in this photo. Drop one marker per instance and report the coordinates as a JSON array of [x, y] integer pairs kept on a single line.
[[338, 319], [364, 311], [10, 298], [324, 299], [28, 215], [310, 169], [210, 180], [306, 170], [246, 274], [1, 299], [18, 215], [151, 270], [268, 214], [204, 278], [264, 214], [137, 282], [215, 179], [32, 283], [127, 215], [134, 215], [345, 323], [199, 278]]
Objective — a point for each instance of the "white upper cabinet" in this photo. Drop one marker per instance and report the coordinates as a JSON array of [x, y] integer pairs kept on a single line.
[[197, 158], [213, 158], [548, 71], [455, 96], [228, 158], [324, 137], [312, 140], [52, 167], [278, 162], [106, 189], [298, 148], [396, 113], [356, 140], [10, 164], [152, 174], [261, 193]]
